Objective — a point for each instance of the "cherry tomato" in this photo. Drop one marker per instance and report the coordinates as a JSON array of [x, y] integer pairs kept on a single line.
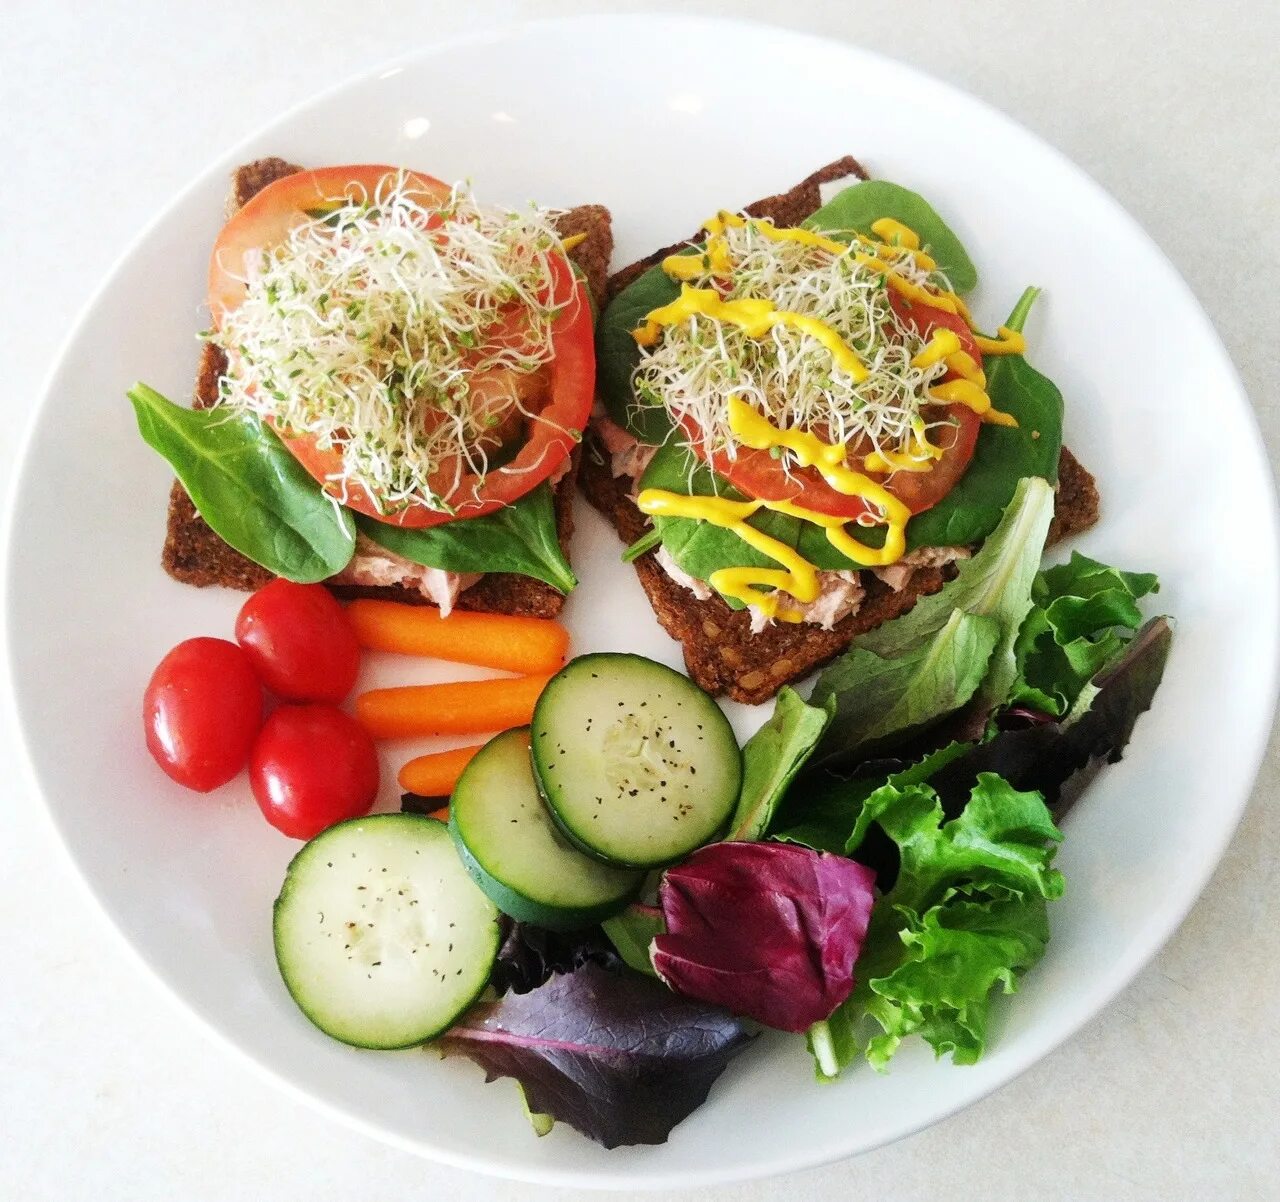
[[299, 641], [202, 710], [759, 475], [550, 434], [312, 766]]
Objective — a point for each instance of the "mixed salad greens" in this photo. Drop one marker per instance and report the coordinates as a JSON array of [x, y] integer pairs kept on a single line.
[[886, 868]]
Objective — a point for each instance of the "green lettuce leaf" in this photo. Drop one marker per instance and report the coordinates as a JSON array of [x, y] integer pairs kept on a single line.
[[1084, 613], [967, 913], [953, 645], [520, 538], [771, 758], [830, 812], [875, 700], [952, 957], [856, 207], [631, 933]]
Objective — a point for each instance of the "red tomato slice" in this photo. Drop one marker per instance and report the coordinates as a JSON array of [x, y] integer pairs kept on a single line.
[[267, 219], [759, 475], [549, 437]]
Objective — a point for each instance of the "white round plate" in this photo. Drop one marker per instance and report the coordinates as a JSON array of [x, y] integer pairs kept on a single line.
[[646, 116]]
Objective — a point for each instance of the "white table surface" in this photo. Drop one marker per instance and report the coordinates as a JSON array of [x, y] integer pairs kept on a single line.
[[108, 1091]]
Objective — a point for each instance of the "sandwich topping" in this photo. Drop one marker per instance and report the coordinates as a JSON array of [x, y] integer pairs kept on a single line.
[[403, 339], [831, 381]]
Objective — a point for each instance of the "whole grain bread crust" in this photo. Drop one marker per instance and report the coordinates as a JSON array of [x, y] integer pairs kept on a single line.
[[720, 651], [194, 554]]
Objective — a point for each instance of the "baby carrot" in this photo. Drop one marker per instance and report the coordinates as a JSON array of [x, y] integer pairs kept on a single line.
[[512, 643], [435, 775], [461, 708]]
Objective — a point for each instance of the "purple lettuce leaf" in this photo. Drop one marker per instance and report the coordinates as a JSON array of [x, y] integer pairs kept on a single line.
[[531, 955], [767, 930], [616, 1055], [1059, 757]]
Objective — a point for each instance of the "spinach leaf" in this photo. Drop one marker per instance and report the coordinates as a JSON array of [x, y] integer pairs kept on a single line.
[[1004, 454], [877, 700], [700, 548], [858, 205], [616, 1055], [520, 538], [617, 355], [771, 759], [253, 493]]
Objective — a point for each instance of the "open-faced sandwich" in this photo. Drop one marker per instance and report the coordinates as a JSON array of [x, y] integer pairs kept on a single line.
[[391, 395], [803, 428]]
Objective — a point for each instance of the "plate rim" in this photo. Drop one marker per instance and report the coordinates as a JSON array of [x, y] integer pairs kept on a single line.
[[1095, 999]]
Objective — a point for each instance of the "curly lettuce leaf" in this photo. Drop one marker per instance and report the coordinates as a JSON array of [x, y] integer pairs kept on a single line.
[[1083, 614], [952, 957], [966, 914]]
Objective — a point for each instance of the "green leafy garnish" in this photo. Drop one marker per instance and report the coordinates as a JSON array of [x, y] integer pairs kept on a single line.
[[771, 758], [967, 913], [952, 644], [631, 933], [249, 488], [876, 700], [520, 537], [856, 207], [1084, 612]]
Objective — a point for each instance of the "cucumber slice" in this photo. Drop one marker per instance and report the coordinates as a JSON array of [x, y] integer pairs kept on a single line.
[[514, 852], [381, 936], [637, 764]]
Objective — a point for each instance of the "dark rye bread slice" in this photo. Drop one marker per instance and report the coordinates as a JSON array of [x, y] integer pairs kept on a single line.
[[194, 554], [720, 651]]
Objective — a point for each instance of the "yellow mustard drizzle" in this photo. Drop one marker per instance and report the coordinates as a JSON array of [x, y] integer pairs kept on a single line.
[[1010, 342], [970, 389], [756, 431], [797, 577], [901, 461], [754, 316], [895, 233]]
